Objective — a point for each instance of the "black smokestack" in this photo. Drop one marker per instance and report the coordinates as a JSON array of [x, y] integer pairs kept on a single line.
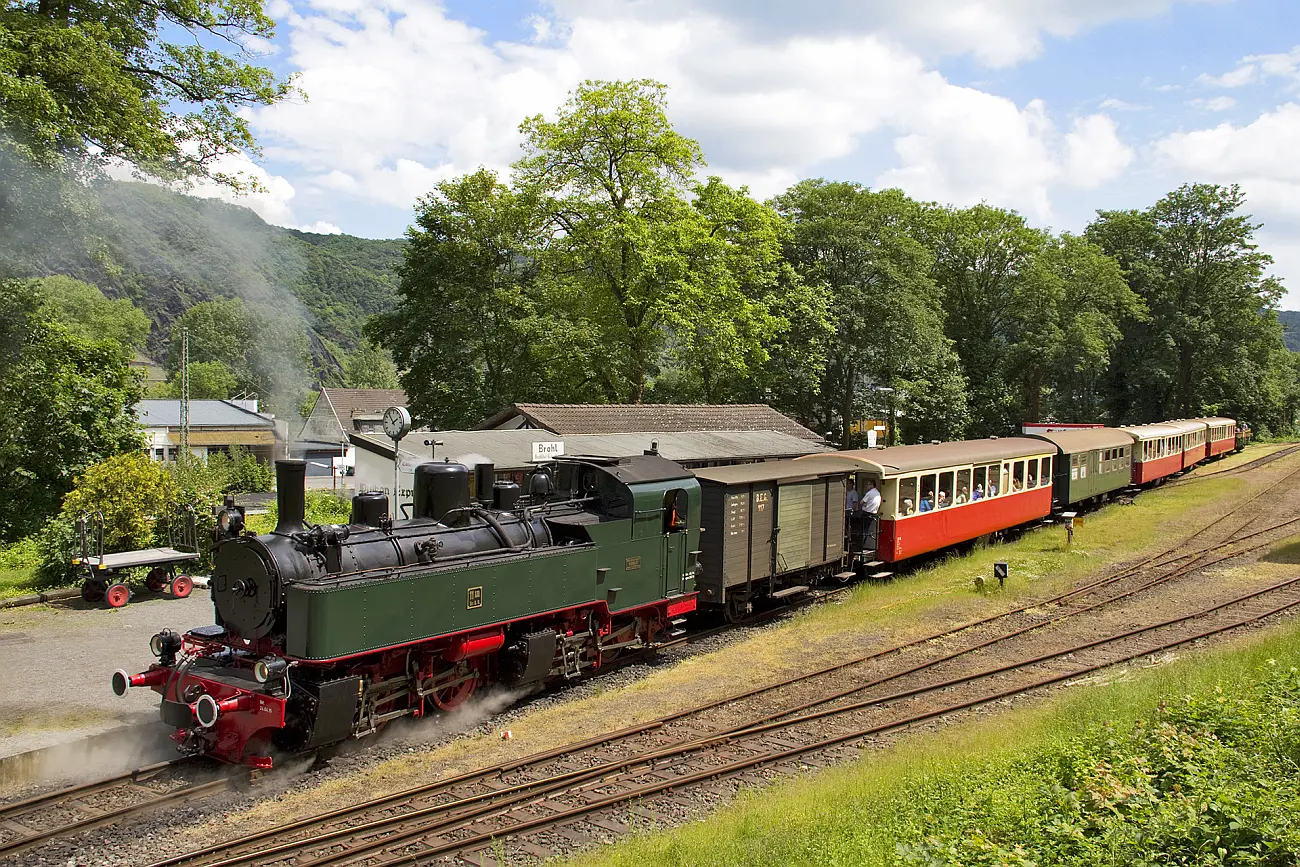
[[290, 495]]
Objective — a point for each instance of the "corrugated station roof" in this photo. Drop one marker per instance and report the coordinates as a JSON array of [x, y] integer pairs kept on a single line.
[[930, 456], [768, 471], [512, 449], [203, 413], [610, 418], [1086, 439], [1151, 431]]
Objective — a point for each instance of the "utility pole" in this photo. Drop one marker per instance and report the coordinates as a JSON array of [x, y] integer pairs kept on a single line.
[[185, 393]]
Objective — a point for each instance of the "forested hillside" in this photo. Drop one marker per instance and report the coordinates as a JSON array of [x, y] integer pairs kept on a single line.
[[1290, 320], [167, 252]]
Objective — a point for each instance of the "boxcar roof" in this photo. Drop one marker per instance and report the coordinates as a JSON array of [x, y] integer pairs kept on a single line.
[[770, 471], [1085, 439], [907, 459], [1151, 431], [1187, 425]]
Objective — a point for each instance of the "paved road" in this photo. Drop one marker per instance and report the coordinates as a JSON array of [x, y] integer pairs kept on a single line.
[[56, 661]]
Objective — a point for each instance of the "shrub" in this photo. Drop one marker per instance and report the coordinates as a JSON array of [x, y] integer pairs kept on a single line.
[[23, 554], [131, 491]]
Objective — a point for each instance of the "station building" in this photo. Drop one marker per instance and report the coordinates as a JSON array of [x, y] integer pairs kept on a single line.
[[215, 426]]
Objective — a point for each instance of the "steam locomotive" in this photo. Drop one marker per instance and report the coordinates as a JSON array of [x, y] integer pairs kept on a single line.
[[329, 632]]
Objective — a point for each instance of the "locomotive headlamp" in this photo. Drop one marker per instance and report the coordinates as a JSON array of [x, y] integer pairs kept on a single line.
[[165, 645], [271, 668], [230, 521]]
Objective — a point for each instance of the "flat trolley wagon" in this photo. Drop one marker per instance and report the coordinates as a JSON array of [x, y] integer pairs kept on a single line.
[[770, 530], [105, 572], [1091, 464]]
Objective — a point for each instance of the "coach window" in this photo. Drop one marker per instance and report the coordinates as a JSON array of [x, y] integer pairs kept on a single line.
[[1018, 476], [929, 491], [946, 486], [963, 486], [1004, 485], [979, 481], [888, 497], [1044, 471], [907, 500]]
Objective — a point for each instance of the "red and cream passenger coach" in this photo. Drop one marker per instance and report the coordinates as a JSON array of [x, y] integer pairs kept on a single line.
[[934, 496]]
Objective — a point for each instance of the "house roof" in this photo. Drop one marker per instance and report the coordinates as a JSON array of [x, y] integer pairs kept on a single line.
[[613, 418], [513, 449], [203, 413], [351, 402]]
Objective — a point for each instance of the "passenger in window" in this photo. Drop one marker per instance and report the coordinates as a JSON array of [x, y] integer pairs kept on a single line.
[[944, 502], [1033, 480], [979, 493], [908, 508], [963, 496], [993, 488], [927, 501], [870, 503]]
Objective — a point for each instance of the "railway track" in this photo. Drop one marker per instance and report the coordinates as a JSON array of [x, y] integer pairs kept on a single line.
[[37, 820], [472, 811], [1255, 464]]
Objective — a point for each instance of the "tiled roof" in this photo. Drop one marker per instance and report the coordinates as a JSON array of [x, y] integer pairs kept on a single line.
[[608, 418], [203, 413], [351, 402]]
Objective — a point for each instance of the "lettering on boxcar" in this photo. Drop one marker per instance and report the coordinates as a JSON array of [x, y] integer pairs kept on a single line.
[[474, 597], [760, 500], [631, 564]]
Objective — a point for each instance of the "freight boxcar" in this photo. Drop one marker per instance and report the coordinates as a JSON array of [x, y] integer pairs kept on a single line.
[[1091, 463], [770, 529]]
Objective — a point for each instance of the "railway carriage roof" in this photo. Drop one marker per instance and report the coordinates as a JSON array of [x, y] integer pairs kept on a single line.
[[897, 460], [1151, 431], [773, 471], [1214, 420], [1071, 441], [1187, 425]]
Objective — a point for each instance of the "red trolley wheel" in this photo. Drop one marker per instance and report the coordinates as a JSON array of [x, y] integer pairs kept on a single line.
[[117, 595], [91, 592], [181, 586], [156, 579]]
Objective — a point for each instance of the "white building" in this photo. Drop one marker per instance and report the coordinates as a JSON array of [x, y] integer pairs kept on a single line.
[[215, 426]]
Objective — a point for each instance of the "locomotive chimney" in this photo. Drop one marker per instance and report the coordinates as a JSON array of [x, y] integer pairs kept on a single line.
[[290, 494], [485, 475]]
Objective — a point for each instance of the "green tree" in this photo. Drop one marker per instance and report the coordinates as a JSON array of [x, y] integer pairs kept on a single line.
[[91, 316], [66, 401], [209, 380], [369, 366], [1212, 342], [889, 354], [461, 330], [107, 78], [133, 493], [632, 265]]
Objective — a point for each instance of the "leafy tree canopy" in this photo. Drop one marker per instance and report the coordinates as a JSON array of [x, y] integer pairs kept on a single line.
[[157, 84], [89, 315], [66, 400], [369, 366]]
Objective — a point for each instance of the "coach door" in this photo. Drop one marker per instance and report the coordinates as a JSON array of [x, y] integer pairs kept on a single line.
[[674, 558]]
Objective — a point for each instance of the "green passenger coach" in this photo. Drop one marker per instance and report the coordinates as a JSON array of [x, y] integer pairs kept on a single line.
[[1091, 464]]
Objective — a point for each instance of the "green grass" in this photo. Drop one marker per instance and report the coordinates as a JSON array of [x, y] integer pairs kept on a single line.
[[1192, 762]]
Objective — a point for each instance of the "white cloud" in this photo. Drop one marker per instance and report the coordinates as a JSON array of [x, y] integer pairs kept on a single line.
[[1257, 68], [1217, 103], [1121, 105], [404, 96]]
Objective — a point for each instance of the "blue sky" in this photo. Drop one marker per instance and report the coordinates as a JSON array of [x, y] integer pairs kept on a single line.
[[1053, 107]]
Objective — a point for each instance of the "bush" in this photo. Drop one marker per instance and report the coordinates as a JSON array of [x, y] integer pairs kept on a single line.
[[23, 554], [322, 507], [57, 544], [131, 491]]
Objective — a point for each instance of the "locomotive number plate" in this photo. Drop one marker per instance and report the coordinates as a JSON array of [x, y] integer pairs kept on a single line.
[[474, 597], [631, 563]]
